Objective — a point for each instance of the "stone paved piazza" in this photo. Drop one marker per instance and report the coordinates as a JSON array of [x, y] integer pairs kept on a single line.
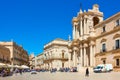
[[64, 76]]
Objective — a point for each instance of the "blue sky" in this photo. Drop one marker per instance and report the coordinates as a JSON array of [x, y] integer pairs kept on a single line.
[[33, 23]]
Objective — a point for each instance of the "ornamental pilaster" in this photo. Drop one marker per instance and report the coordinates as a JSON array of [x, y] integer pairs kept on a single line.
[[75, 50]]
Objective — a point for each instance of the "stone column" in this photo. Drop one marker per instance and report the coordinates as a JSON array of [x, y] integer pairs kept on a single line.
[[87, 61], [87, 26], [84, 26], [74, 56], [73, 31], [84, 56], [77, 31], [81, 27], [91, 55], [81, 55], [92, 51], [69, 58], [94, 55]]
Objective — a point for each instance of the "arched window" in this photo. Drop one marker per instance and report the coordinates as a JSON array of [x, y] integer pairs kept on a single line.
[[103, 46], [95, 20]]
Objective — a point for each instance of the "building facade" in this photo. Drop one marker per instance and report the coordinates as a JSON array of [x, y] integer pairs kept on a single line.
[[18, 56], [95, 41], [4, 55], [56, 54], [108, 42], [39, 61]]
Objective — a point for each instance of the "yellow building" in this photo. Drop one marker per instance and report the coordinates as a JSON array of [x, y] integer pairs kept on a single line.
[[18, 56], [108, 41], [4, 55]]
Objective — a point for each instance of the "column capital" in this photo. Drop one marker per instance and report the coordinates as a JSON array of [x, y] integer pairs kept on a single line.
[[75, 23], [75, 49], [85, 16], [75, 42], [92, 43], [81, 19], [80, 46], [70, 50], [85, 45]]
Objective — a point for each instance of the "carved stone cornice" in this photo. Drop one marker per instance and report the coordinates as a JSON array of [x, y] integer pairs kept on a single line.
[[103, 40], [75, 19], [91, 38], [116, 36]]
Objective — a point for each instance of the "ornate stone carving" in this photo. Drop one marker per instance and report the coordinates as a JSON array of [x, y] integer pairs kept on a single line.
[[70, 50], [92, 43], [85, 45], [75, 49]]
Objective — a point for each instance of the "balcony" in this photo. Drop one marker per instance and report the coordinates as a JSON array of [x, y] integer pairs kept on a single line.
[[115, 50], [51, 58], [116, 47]]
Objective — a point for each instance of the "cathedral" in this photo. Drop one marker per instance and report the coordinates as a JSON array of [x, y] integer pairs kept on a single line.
[[95, 41]]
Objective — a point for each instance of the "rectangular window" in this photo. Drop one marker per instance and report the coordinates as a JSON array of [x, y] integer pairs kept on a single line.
[[117, 62], [104, 62], [103, 47], [104, 29], [117, 44], [118, 22]]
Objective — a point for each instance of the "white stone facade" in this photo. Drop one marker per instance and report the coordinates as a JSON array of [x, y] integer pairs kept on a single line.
[[56, 54]]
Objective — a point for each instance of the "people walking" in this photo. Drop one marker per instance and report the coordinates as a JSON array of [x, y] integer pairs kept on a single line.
[[16, 71], [20, 71], [87, 72]]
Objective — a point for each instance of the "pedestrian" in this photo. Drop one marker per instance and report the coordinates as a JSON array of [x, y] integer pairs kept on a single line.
[[20, 71], [16, 71], [87, 72]]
